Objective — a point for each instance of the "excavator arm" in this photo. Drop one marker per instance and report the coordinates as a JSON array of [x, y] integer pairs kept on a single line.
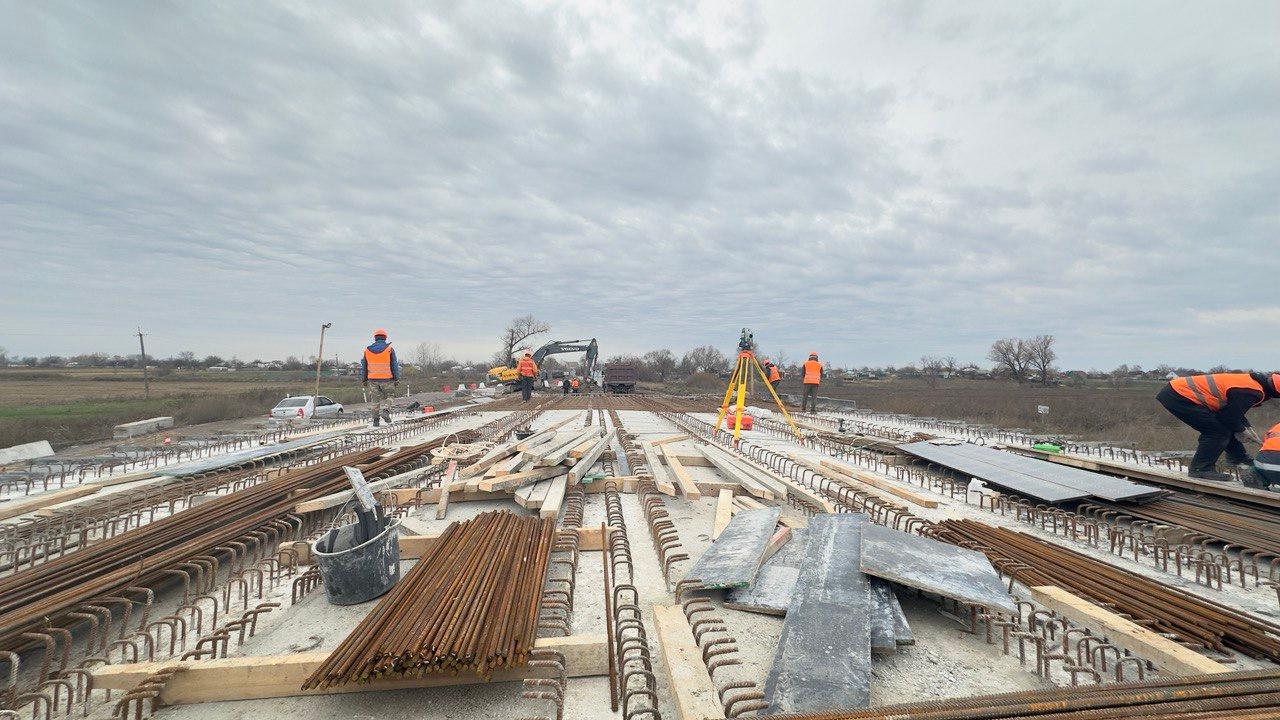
[[555, 347]]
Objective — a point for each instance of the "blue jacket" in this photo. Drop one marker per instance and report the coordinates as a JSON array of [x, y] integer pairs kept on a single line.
[[395, 364]]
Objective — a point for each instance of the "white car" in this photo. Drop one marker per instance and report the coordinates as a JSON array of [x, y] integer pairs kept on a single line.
[[305, 407]]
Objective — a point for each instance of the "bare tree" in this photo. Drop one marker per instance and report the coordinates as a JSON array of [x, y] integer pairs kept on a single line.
[[1041, 355], [931, 368], [780, 359], [1012, 356], [520, 329], [661, 362], [428, 356], [705, 358]]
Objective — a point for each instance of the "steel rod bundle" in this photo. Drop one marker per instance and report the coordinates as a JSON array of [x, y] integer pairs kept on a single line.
[[471, 603], [1227, 522], [1250, 694], [1161, 607]]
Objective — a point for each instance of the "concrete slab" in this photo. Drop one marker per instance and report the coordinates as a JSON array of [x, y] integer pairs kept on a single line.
[[25, 451]]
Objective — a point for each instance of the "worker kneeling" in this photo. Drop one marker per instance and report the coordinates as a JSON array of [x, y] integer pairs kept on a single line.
[[1266, 464], [1216, 405]]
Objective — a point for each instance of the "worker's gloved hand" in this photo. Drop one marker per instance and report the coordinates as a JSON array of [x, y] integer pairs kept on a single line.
[[1249, 434]]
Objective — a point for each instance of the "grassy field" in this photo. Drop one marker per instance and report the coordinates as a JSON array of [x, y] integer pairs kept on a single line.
[[73, 405], [1129, 416]]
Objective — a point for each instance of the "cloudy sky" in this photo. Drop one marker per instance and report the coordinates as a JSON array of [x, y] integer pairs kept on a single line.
[[873, 180]]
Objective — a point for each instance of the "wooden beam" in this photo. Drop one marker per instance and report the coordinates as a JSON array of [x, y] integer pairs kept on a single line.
[[334, 500], [560, 453], [450, 476], [530, 497], [688, 487], [515, 480], [741, 502], [724, 513], [543, 434], [587, 460], [550, 507], [876, 481], [1167, 655], [506, 466], [35, 503], [776, 542], [661, 480], [747, 475], [671, 439], [272, 676], [694, 694], [488, 460]]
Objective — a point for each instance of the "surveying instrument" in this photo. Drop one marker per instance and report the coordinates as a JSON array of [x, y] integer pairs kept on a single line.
[[738, 383]]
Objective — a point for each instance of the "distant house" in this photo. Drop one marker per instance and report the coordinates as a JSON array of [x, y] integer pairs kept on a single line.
[[219, 368]]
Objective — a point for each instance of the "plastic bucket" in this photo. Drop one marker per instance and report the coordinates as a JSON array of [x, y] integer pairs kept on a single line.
[[358, 574]]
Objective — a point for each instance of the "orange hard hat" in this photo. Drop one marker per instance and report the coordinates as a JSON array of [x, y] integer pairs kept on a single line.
[[813, 354], [380, 331]]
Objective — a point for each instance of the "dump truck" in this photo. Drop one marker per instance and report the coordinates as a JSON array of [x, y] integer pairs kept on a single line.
[[620, 377]]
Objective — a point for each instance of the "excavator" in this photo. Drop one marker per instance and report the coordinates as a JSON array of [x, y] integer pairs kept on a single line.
[[508, 376]]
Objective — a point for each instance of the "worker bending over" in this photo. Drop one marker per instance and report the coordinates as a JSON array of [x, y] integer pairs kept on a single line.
[[773, 374], [380, 367], [812, 379], [1216, 405], [527, 369], [576, 384], [1266, 464]]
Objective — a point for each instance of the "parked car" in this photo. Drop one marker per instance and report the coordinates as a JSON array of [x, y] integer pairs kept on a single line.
[[305, 407]]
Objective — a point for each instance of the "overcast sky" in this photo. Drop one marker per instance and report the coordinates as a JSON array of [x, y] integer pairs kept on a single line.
[[873, 180]]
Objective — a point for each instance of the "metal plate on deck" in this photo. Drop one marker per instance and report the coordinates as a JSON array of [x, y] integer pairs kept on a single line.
[[933, 566]]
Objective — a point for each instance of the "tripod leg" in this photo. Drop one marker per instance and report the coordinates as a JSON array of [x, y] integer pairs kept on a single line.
[[777, 399], [728, 393], [742, 391]]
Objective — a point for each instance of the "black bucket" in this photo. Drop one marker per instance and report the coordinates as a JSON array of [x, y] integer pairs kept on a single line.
[[358, 574]]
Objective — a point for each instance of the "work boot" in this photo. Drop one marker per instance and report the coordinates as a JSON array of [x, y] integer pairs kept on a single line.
[[1250, 477], [375, 420], [386, 416], [1212, 475]]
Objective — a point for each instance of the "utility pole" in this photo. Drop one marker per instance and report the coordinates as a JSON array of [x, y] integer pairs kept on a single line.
[[146, 382], [320, 356]]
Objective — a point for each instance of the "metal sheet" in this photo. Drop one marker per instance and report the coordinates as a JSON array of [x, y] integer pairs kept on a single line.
[[1030, 485], [823, 660], [771, 592], [933, 566], [1094, 483], [734, 558]]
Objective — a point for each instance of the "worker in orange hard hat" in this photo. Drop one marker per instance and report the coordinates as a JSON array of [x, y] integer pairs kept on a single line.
[[380, 367], [1266, 464], [773, 374], [812, 379], [1216, 404], [576, 384], [527, 370]]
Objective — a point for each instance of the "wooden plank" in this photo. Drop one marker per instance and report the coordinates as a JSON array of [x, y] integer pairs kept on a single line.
[[1167, 655], [487, 460], [848, 472], [581, 448], [588, 460], [546, 432], [550, 507], [823, 659], [272, 676], [933, 566], [661, 480], [688, 488], [791, 521], [515, 480], [729, 465], [450, 476], [560, 453], [780, 538], [671, 439], [734, 558], [530, 497], [33, 503], [506, 466], [337, 499], [724, 513], [694, 694], [770, 594]]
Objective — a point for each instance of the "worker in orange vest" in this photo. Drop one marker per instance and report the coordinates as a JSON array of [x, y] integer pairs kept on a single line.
[[812, 379], [1266, 464], [1215, 405], [380, 367], [576, 384], [773, 374], [527, 369]]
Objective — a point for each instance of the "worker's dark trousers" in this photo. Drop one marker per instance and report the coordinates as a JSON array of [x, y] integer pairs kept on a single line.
[[1215, 437], [1267, 464], [526, 387], [566, 389], [810, 400], [777, 387]]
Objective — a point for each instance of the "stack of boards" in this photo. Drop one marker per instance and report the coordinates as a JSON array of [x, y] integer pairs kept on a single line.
[[835, 584], [538, 469]]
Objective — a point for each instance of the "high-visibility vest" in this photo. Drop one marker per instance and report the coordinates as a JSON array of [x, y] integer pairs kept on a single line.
[[1211, 390], [574, 383], [774, 375], [1271, 441], [527, 367], [812, 372], [379, 363]]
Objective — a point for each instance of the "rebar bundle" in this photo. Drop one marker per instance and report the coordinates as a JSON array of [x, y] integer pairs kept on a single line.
[[470, 603], [1250, 694], [1161, 607]]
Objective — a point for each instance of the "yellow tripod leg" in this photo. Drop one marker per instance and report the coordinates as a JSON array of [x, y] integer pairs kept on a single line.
[[777, 400], [728, 393], [742, 391]]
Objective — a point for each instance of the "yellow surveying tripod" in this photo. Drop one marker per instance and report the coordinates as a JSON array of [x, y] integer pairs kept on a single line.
[[738, 382]]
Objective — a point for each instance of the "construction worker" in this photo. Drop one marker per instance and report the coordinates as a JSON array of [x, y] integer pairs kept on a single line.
[[527, 369], [773, 374], [1266, 464], [380, 367], [576, 384], [1216, 405], [565, 385], [812, 379]]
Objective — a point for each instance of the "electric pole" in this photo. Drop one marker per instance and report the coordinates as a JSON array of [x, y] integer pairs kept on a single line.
[[146, 382], [320, 356]]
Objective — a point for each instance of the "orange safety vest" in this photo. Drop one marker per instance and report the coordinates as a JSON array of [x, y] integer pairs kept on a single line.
[[574, 382], [812, 372], [1271, 441], [1211, 390], [774, 375], [379, 363], [527, 367]]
